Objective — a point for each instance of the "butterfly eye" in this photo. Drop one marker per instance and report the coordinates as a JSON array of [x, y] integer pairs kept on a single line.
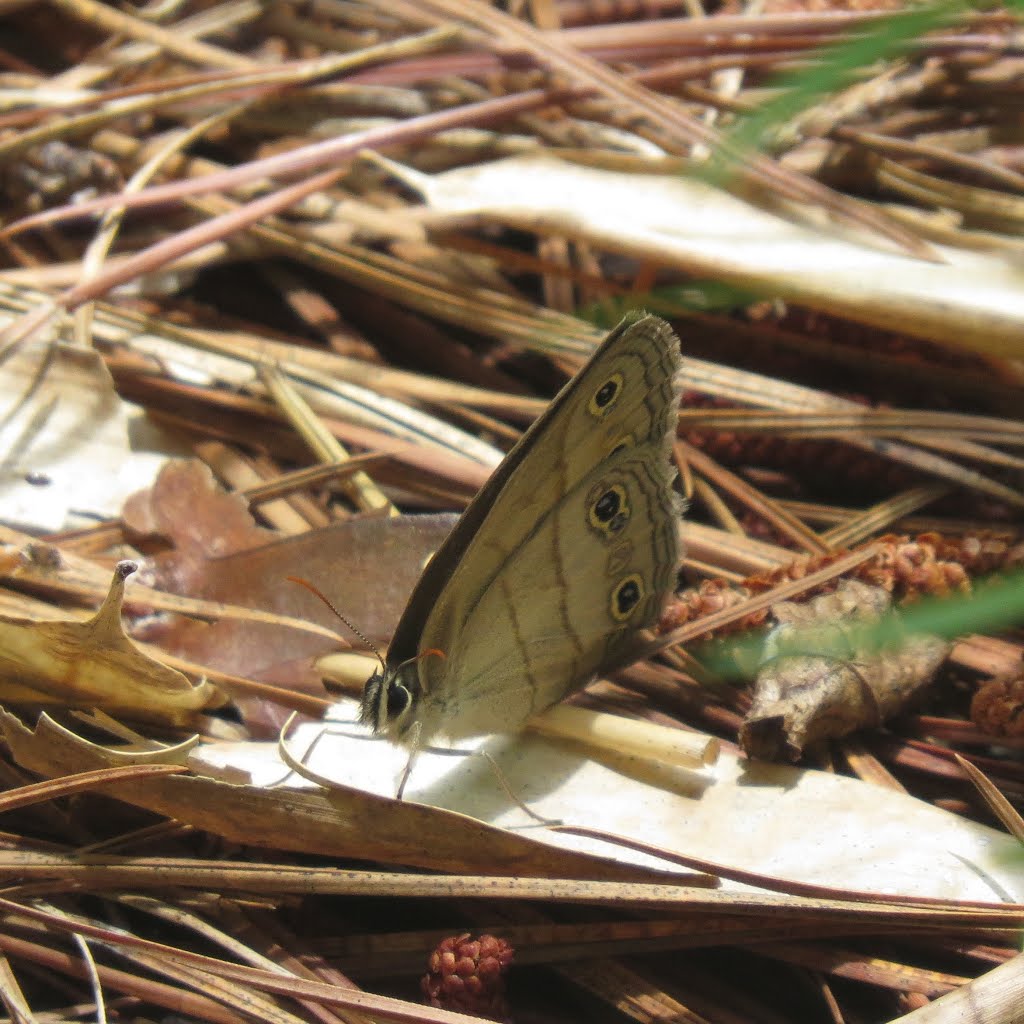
[[399, 699], [605, 395], [626, 596], [608, 508]]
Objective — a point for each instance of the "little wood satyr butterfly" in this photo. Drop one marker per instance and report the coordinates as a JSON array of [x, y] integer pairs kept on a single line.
[[567, 551]]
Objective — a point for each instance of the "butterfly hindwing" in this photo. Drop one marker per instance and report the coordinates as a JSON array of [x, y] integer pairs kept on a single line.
[[521, 584], [569, 601]]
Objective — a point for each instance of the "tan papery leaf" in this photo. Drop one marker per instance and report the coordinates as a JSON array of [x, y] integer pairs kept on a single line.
[[969, 300], [71, 445]]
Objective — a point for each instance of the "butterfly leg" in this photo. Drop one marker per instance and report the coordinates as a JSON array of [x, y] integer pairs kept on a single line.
[[414, 749], [511, 794]]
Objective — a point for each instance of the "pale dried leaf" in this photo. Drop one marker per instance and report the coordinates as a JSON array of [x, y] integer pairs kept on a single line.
[[288, 813], [68, 440], [778, 820], [972, 300]]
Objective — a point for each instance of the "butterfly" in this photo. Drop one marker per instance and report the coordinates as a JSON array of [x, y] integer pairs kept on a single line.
[[567, 552]]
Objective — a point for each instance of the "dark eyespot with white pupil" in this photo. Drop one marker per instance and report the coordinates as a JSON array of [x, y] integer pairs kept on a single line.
[[607, 506], [606, 393], [626, 596]]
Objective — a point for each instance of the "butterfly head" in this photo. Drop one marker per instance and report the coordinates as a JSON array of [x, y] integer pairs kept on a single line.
[[392, 695]]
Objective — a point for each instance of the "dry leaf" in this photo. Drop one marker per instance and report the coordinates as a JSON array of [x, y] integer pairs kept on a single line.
[[973, 299], [366, 567], [817, 684], [64, 433], [187, 506], [778, 820], [305, 818], [93, 664]]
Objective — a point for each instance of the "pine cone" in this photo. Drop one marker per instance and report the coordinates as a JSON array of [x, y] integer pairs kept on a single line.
[[468, 975]]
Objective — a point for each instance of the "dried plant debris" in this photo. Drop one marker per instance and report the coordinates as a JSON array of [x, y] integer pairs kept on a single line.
[[92, 663], [908, 568], [823, 676], [249, 234]]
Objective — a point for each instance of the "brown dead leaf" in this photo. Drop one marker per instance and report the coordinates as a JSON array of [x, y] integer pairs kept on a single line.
[[94, 664], [366, 567], [801, 696], [189, 508]]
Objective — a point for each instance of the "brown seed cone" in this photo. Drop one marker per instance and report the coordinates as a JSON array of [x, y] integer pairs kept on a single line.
[[468, 975], [998, 707], [907, 567]]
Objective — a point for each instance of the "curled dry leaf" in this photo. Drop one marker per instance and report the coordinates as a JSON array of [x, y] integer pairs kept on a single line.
[[93, 664], [818, 684]]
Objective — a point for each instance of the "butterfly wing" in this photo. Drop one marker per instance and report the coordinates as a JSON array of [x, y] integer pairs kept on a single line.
[[620, 408], [636, 367], [567, 603]]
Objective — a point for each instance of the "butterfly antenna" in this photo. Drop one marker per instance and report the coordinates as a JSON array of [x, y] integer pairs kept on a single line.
[[313, 589], [432, 652]]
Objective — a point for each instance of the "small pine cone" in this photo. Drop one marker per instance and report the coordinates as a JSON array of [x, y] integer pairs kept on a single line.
[[998, 707], [468, 976], [920, 566], [711, 596]]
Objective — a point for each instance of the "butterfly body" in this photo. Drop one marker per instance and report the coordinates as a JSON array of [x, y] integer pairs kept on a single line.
[[565, 554]]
